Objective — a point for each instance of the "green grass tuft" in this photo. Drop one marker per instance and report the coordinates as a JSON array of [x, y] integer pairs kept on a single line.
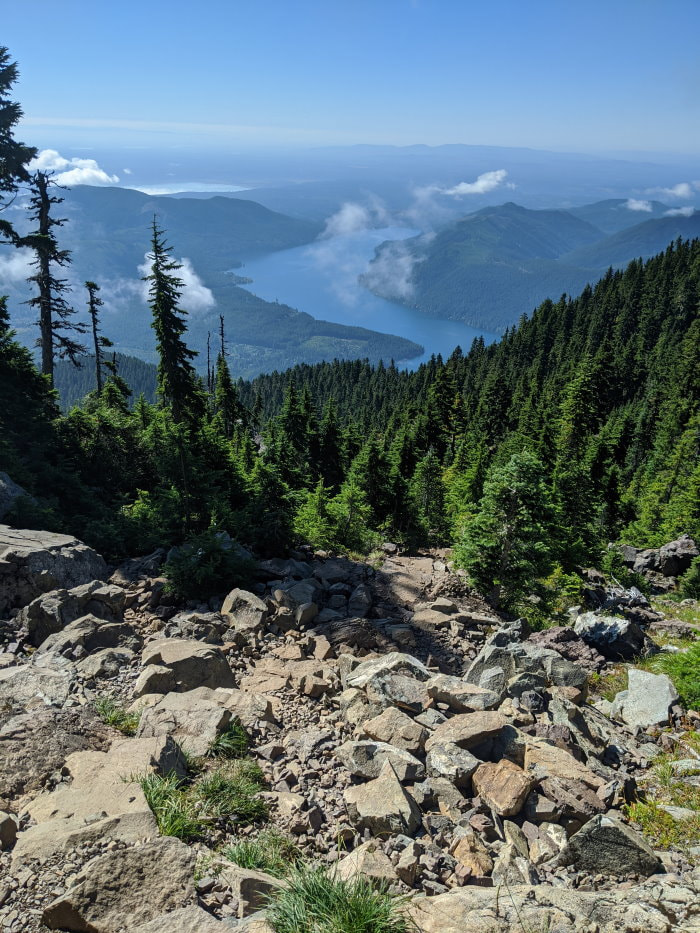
[[269, 851], [175, 811], [231, 792], [315, 900], [115, 715], [233, 742]]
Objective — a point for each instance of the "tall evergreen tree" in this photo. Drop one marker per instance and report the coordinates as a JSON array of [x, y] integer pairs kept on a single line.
[[14, 155], [55, 325], [100, 342], [178, 386]]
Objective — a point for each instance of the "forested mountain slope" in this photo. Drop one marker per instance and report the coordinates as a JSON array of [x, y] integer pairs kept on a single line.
[[589, 408], [499, 263]]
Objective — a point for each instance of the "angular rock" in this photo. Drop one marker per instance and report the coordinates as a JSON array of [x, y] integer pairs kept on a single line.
[[34, 562], [544, 760], [471, 853], [467, 730], [453, 763], [396, 728], [52, 612], [34, 745], [568, 798], [193, 720], [460, 695], [367, 861], [607, 846], [360, 601], [570, 646], [90, 633], [46, 679], [190, 664], [250, 888], [647, 700], [126, 887], [616, 639], [8, 831], [245, 612], [503, 786], [382, 806], [366, 760], [394, 662]]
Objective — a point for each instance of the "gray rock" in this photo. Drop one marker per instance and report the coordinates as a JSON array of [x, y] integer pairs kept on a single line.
[[9, 493], [453, 763], [245, 612], [616, 639], [383, 806], [460, 695], [90, 634], [126, 887], [647, 700], [360, 601], [8, 831], [183, 920], [366, 760], [396, 728], [189, 664], [607, 846], [34, 562], [394, 662], [47, 679]]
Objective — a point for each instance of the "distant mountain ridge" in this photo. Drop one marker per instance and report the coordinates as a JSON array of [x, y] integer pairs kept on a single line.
[[491, 267]]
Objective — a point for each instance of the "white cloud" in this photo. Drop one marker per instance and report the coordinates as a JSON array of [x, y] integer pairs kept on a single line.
[[127, 171], [680, 212], [486, 182], [682, 191], [390, 274], [71, 171], [633, 204], [16, 266], [195, 295], [353, 217]]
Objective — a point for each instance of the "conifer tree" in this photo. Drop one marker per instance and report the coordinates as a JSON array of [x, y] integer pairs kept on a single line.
[[99, 341], [506, 545], [427, 494], [55, 325], [178, 386], [14, 155]]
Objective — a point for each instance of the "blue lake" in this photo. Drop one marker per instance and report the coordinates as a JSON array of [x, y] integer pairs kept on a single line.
[[322, 279]]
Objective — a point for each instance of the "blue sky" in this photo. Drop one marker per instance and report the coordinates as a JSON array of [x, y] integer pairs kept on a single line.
[[599, 75]]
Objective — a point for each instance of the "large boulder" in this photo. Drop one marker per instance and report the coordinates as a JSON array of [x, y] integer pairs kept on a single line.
[[396, 728], [647, 700], [126, 887], [52, 612], [34, 745], [194, 721], [245, 612], [34, 562], [383, 806], [181, 664], [467, 730], [46, 679], [669, 560], [89, 634], [615, 638], [366, 759], [607, 846]]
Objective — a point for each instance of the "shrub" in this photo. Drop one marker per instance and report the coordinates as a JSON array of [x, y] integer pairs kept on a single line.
[[115, 715], [689, 584], [315, 900], [206, 564], [269, 851]]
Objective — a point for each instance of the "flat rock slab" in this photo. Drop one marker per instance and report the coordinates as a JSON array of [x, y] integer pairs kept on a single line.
[[184, 920], [34, 562], [467, 730], [126, 887]]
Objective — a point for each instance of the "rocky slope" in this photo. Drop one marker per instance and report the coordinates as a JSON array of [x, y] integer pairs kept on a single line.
[[404, 732]]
